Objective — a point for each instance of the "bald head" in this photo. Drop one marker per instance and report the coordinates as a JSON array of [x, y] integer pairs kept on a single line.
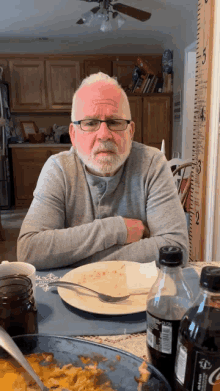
[[100, 89]]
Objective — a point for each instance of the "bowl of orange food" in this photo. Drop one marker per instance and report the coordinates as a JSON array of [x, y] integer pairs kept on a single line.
[[75, 364]]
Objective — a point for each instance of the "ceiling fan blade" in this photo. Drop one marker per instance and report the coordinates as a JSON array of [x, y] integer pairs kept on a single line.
[[91, 1], [95, 9], [133, 12], [80, 21]]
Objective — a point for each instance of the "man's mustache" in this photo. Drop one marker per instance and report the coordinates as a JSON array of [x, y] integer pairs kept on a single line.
[[108, 147]]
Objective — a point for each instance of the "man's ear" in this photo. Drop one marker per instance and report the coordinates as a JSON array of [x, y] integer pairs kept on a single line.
[[72, 134], [132, 129]]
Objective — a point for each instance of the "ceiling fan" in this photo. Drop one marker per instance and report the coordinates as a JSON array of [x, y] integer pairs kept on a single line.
[[107, 11]]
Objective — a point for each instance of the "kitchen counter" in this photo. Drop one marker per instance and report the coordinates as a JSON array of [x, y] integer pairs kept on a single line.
[[41, 145]]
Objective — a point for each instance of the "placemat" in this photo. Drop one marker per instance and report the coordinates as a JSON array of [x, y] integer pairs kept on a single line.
[[57, 317]]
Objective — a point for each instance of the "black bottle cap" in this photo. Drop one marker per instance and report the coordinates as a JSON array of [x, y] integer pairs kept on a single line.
[[170, 256], [210, 278]]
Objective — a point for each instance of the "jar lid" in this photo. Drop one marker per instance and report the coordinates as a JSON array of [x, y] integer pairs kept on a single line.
[[170, 256], [210, 278]]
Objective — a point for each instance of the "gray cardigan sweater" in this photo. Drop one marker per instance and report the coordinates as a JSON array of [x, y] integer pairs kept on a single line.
[[76, 217]]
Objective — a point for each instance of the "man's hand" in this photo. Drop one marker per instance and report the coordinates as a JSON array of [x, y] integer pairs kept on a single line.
[[136, 230]]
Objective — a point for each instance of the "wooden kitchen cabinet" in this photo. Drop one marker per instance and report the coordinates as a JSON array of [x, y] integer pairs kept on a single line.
[[123, 71], [63, 78], [46, 82], [55, 150], [94, 66], [27, 165], [152, 115], [157, 122], [136, 116], [28, 81]]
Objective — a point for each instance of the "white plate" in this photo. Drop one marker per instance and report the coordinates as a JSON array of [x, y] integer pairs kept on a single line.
[[111, 277]]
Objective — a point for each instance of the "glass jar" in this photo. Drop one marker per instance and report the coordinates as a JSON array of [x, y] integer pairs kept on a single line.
[[18, 312]]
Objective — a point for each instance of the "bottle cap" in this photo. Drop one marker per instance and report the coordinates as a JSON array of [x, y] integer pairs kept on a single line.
[[210, 278], [170, 256]]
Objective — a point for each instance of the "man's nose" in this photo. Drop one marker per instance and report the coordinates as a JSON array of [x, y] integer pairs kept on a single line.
[[104, 133]]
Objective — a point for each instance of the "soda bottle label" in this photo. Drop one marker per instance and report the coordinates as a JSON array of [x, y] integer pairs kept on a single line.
[[205, 370], [161, 333], [181, 361]]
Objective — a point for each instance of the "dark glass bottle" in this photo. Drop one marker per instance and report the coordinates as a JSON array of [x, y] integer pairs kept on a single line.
[[168, 300], [18, 312], [197, 364]]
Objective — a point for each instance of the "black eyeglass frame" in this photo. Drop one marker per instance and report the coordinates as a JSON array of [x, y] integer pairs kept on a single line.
[[100, 121]]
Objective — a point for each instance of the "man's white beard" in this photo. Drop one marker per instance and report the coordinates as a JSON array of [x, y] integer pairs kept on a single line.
[[105, 164]]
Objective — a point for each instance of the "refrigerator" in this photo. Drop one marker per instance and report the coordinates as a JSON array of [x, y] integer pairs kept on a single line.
[[5, 172]]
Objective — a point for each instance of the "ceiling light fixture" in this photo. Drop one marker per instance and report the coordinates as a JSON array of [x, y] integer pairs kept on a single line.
[[104, 16], [108, 15]]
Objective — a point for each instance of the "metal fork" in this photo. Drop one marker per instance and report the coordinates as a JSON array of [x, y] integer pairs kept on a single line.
[[101, 296]]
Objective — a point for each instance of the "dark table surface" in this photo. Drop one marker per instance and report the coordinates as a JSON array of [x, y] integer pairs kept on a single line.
[[57, 317]]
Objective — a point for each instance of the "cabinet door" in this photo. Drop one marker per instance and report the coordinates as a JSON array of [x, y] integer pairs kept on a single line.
[[136, 116], [27, 165], [123, 71], [27, 85], [55, 150], [95, 66], [26, 180], [157, 122], [63, 78]]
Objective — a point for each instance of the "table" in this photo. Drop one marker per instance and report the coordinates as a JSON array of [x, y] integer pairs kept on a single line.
[[130, 341], [59, 318], [136, 343]]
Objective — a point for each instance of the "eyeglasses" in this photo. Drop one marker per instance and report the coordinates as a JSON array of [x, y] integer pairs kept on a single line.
[[92, 125]]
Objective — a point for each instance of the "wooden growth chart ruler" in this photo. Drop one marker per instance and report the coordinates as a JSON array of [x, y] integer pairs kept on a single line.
[[205, 131]]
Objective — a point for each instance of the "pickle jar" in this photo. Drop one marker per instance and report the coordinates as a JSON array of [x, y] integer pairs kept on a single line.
[[18, 312]]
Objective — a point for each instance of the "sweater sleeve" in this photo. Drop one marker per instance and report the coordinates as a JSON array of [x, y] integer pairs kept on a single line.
[[46, 243]]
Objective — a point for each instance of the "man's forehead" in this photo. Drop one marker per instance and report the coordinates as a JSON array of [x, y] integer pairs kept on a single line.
[[100, 92], [110, 102]]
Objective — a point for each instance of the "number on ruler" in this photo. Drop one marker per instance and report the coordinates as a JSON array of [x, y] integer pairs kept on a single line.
[[199, 167], [197, 218], [204, 55], [206, 1]]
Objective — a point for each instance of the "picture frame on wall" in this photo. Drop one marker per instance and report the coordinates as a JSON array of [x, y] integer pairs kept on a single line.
[[28, 127]]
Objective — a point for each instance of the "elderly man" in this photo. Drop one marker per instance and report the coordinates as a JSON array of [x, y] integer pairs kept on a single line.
[[108, 198]]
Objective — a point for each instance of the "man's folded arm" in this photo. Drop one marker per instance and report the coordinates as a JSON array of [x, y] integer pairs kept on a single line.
[[47, 248], [45, 239]]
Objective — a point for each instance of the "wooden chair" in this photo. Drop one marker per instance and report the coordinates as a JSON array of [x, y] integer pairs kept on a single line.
[[181, 180]]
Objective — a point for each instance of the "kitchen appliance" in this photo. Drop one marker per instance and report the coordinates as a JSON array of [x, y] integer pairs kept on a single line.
[[5, 174]]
